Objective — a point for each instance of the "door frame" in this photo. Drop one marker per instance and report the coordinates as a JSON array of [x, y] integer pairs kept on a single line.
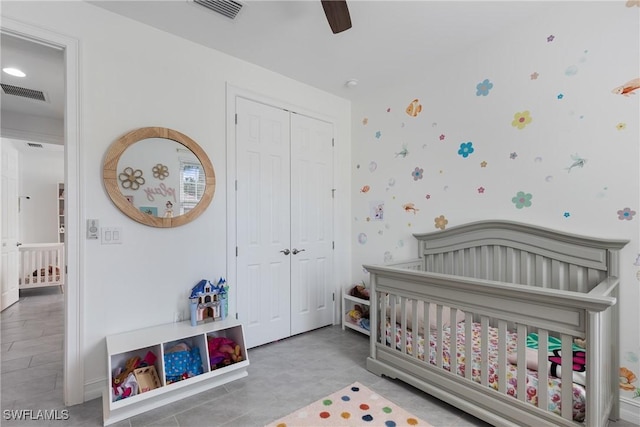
[[232, 92], [73, 371]]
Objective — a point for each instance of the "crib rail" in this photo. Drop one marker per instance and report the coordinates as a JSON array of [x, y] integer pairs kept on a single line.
[[41, 265], [519, 253], [400, 294]]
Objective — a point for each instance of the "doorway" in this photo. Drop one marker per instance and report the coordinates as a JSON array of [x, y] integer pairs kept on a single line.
[[73, 363], [283, 222]]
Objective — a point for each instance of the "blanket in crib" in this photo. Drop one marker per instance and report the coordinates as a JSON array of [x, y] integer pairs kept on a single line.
[[531, 387]]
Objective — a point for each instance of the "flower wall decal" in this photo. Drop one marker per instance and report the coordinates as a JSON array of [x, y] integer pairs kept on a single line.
[[626, 213], [522, 200], [441, 222], [521, 119], [131, 179], [483, 88], [417, 173], [466, 148]]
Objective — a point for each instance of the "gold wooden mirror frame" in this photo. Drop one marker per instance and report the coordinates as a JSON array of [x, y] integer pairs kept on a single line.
[[110, 176]]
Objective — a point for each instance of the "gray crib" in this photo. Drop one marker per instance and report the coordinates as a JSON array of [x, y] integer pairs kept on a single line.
[[496, 284]]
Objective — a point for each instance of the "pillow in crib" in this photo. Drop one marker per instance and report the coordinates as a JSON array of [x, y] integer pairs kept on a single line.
[[433, 316], [554, 363]]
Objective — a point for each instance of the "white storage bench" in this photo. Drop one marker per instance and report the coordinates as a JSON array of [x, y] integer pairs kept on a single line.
[[157, 339]]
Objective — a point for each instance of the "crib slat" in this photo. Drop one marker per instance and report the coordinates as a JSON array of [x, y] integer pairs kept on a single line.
[[567, 376], [459, 262], [484, 256], [426, 309], [524, 268], [511, 266], [555, 275], [574, 277], [439, 336], [453, 341], [416, 330], [383, 320], [403, 325], [484, 350], [502, 356], [543, 375], [468, 341], [522, 363], [473, 262], [539, 272], [496, 263]]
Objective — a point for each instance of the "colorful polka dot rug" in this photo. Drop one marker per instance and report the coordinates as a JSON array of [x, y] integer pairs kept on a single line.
[[354, 405]]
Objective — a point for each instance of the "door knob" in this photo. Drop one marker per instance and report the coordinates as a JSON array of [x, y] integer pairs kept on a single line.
[[18, 244], [296, 251], [286, 252]]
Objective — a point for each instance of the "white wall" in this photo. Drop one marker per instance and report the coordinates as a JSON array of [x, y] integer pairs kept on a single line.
[[32, 128], [134, 76], [41, 169], [594, 49]]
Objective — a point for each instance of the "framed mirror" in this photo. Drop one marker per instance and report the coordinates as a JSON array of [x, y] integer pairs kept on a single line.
[[159, 177]]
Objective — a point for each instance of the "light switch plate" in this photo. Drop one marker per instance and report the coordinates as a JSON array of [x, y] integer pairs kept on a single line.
[[93, 228], [111, 235]]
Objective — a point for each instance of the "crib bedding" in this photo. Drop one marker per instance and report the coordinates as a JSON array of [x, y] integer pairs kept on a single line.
[[554, 389], [39, 279]]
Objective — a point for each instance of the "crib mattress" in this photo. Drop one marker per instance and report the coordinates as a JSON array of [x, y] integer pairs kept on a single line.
[[554, 389]]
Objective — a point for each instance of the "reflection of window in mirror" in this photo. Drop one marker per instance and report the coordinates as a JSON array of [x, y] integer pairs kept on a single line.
[[192, 184]]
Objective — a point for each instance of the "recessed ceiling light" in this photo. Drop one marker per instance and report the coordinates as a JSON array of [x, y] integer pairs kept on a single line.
[[14, 72]]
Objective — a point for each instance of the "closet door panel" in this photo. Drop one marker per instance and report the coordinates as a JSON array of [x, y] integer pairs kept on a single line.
[[263, 177], [311, 223]]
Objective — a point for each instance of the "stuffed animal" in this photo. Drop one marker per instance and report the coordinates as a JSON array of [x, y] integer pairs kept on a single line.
[[43, 271], [359, 291], [355, 314], [358, 314], [223, 351], [130, 365]]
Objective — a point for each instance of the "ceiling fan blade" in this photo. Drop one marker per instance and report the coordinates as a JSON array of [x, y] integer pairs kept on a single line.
[[337, 14]]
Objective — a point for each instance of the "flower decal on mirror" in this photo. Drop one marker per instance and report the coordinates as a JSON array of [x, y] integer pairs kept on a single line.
[[160, 171], [131, 179]]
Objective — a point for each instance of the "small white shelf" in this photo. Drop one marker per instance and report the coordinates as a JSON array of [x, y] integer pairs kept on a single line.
[[121, 347], [348, 302]]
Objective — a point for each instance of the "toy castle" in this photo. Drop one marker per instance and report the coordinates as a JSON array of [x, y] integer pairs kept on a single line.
[[208, 301]]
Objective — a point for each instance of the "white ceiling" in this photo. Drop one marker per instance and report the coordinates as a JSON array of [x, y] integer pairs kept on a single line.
[[44, 69], [390, 40]]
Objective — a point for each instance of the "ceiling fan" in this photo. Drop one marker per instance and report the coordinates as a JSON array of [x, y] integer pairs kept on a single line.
[[337, 14]]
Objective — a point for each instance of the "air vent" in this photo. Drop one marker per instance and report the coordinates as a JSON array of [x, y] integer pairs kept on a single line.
[[23, 92], [228, 8], [34, 145]]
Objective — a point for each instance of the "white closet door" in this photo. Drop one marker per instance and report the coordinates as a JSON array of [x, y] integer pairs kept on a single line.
[[263, 209], [312, 284], [9, 215]]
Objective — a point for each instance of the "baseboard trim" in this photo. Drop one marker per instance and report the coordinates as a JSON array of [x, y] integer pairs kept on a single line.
[[93, 389], [630, 410]]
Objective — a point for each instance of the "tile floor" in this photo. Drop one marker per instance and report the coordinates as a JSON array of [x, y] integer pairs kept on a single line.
[[283, 376]]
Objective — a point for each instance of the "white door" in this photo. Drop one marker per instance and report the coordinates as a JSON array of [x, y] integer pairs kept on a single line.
[[284, 222], [263, 233], [9, 211], [312, 283]]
